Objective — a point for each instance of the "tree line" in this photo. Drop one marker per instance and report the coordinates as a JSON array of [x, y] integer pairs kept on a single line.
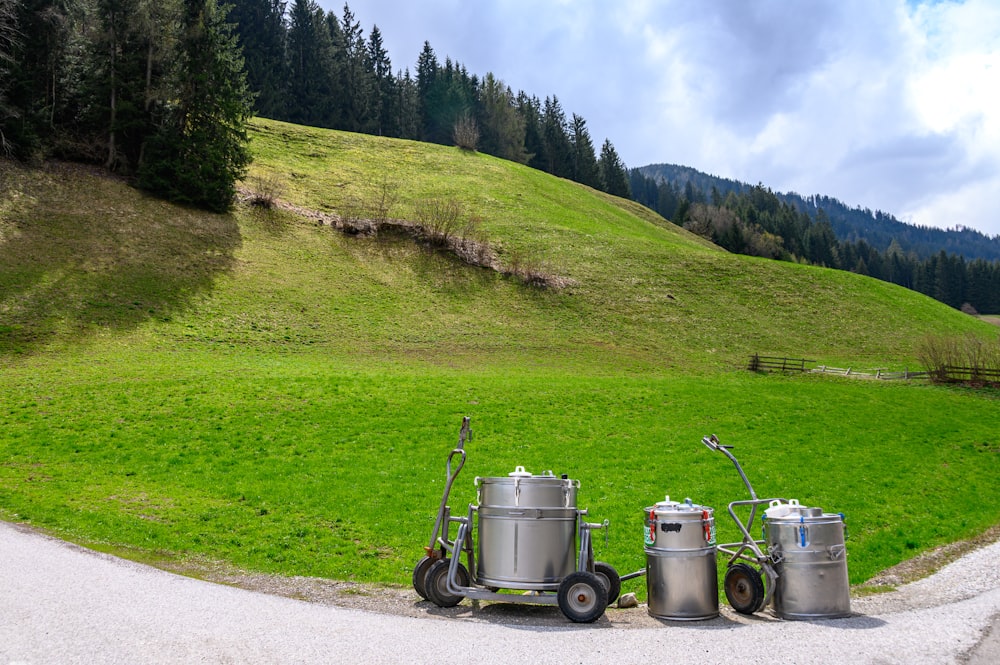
[[877, 227], [153, 89], [318, 68], [757, 222]]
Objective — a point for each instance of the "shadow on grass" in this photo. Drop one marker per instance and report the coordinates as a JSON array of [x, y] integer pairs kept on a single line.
[[80, 252]]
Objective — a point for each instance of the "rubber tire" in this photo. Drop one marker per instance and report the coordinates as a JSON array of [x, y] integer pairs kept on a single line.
[[744, 588], [436, 583], [582, 597], [607, 573], [420, 575]]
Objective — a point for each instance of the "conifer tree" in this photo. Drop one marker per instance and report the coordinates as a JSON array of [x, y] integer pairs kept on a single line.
[[201, 149], [383, 89], [312, 97], [585, 169], [613, 173], [501, 126], [8, 44], [357, 84], [557, 151], [260, 26], [407, 106], [35, 73]]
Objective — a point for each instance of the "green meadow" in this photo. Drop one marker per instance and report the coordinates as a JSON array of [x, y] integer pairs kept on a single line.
[[262, 391]]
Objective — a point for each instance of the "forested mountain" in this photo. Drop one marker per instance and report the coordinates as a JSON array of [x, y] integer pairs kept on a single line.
[[751, 219], [877, 228]]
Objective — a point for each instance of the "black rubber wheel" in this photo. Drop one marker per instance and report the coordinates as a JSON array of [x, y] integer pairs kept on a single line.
[[420, 575], [610, 578], [744, 588], [436, 583], [582, 597]]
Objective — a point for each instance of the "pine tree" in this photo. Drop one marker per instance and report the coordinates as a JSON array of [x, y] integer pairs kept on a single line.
[[383, 91], [357, 84], [557, 151], [202, 148], [129, 57], [35, 74], [407, 106], [501, 126], [9, 44], [260, 25], [614, 175], [585, 168], [529, 108], [312, 97], [429, 94]]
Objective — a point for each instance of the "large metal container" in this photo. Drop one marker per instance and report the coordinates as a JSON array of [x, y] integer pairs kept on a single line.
[[527, 530], [681, 574], [807, 549]]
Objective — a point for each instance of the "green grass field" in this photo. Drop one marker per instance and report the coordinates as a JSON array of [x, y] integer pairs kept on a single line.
[[262, 391]]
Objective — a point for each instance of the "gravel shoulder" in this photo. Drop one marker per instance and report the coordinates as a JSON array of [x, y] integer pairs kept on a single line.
[[60, 603]]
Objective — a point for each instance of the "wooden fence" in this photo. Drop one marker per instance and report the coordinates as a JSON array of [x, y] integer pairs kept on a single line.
[[953, 373], [882, 374], [759, 363]]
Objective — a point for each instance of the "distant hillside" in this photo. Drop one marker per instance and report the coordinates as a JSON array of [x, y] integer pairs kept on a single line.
[[849, 224], [642, 292]]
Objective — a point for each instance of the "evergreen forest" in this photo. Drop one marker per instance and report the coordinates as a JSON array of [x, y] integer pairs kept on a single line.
[[755, 221], [160, 91]]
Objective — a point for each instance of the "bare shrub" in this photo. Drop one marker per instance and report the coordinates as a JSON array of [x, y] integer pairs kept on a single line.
[[938, 354], [383, 201], [266, 190], [440, 220], [967, 308], [465, 132]]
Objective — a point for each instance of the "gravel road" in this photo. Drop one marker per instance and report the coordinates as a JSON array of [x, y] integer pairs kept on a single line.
[[60, 603]]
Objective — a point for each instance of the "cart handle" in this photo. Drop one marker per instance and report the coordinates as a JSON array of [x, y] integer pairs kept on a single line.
[[712, 442], [464, 434]]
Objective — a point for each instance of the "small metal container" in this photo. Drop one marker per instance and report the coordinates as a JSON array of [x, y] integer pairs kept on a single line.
[[527, 530], [807, 549], [681, 574]]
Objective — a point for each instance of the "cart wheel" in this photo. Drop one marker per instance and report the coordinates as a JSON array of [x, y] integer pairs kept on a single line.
[[744, 588], [420, 575], [436, 583], [610, 578], [582, 597]]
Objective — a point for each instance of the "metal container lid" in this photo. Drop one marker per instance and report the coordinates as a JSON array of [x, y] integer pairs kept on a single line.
[[792, 511], [520, 475], [676, 510], [519, 472]]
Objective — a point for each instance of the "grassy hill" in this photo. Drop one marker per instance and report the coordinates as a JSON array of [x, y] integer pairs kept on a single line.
[[265, 391]]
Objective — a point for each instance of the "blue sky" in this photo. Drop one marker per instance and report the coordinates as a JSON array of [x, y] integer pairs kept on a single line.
[[887, 104]]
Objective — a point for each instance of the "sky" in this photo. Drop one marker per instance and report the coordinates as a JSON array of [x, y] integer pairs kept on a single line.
[[891, 105]]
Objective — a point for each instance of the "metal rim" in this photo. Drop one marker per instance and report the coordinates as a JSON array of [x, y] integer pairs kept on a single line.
[[436, 583], [582, 597], [744, 588]]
